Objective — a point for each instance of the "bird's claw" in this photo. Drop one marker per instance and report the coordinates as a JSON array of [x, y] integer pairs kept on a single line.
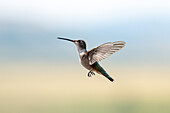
[[91, 73]]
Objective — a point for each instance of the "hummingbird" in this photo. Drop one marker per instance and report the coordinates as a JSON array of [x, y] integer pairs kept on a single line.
[[90, 59]]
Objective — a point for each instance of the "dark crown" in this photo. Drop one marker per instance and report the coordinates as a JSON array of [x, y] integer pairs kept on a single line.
[[82, 44]]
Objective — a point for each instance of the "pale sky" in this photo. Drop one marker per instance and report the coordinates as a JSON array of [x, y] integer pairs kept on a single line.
[[69, 13], [28, 28]]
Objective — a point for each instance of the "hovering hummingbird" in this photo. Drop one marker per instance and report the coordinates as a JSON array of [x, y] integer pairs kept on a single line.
[[89, 59]]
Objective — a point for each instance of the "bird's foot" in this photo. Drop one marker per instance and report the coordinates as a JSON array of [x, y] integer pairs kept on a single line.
[[91, 73]]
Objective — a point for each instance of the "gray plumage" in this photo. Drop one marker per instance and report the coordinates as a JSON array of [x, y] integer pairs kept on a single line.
[[104, 51]]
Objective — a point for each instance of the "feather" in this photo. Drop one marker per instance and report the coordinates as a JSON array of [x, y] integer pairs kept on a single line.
[[104, 51]]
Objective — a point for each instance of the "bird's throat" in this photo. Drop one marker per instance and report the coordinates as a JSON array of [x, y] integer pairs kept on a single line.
[[82, 52]]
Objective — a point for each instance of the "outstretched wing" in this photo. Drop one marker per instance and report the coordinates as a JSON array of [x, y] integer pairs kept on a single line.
[[104, 51]]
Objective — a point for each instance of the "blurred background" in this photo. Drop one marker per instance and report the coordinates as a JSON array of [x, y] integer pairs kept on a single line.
[[41, 74]]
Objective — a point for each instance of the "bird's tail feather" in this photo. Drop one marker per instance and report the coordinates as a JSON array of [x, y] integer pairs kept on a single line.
[[107, 76], [100, 70], [103, 72]]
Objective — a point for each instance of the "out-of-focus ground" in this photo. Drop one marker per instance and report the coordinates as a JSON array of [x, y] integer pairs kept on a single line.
[[42, 89]]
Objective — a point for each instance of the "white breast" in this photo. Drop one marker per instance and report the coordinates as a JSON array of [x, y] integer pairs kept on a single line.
[[82, 53]]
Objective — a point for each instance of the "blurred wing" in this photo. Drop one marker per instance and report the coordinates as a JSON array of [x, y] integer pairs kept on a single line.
[[104, 51]]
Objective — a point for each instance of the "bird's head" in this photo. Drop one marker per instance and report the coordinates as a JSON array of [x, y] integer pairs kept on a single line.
[[79, 43]]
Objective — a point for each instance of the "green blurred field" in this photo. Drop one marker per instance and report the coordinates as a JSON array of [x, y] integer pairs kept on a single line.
[[90, 107]]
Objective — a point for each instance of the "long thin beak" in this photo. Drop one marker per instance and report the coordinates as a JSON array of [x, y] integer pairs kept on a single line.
[[66, 39]]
